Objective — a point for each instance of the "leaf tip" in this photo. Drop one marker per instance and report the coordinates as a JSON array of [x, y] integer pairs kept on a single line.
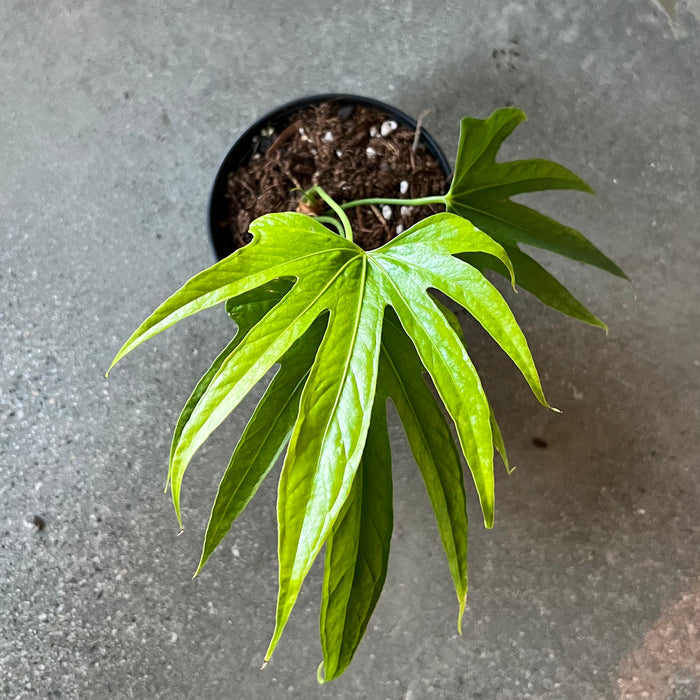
[[176, 504], [510, 469], [175, 494], [504, 458], [319, 675], [204, 557], [111, 367], [462, 608], [270, 649]]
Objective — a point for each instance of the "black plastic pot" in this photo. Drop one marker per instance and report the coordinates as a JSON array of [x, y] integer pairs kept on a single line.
[[242, 150]]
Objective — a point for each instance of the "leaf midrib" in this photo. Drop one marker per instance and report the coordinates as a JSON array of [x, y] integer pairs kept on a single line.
[[508, 183], [346, 368], [504, 221]]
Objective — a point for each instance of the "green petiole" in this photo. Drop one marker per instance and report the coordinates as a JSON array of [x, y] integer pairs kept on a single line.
[[336, 208], [332, 222], [419, 202]]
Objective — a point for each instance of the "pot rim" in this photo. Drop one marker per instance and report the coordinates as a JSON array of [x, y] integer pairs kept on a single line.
[[239, 153]]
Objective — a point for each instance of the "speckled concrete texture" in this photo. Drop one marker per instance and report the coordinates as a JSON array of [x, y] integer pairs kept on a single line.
[[114, 117]]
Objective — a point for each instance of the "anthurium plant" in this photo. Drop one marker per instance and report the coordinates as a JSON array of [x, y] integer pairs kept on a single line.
[[349, 330]]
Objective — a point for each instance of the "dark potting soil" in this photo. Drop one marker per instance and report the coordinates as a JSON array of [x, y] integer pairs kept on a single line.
[[352, 153]]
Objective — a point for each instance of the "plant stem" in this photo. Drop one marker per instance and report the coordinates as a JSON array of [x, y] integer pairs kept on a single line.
[[420, 202], [336, 208], [333, 222]]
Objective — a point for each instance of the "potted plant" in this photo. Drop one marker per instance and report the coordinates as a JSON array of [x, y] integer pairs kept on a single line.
[[351, 328]]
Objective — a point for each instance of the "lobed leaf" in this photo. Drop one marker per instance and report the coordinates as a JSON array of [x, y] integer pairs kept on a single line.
[[481, 190], [314, 303]]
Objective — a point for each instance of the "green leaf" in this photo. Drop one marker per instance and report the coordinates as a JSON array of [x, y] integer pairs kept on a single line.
[[263, 439], [245, 270], [420, 259], [262, 347], [357, 551], [433, 448], [199, 390], [456, 326], [481, 190], [326, 446], [246, 310], [532, 277], [498, 442], [333, 279]]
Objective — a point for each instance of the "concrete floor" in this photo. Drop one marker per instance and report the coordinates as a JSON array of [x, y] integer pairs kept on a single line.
[[114, 117]]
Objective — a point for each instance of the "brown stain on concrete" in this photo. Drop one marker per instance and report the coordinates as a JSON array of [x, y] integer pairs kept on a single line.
[[670, 649]]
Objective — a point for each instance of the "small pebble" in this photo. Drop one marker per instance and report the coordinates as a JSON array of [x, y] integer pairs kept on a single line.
[[403, 187], [370, 152], [405, 211], [373, 131], [37, 523], [339, 154], [399, 229], [327, 137], [386, 211], [388, 126]]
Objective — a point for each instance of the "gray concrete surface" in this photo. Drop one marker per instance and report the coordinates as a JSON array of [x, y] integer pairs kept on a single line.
[[114, 117]]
